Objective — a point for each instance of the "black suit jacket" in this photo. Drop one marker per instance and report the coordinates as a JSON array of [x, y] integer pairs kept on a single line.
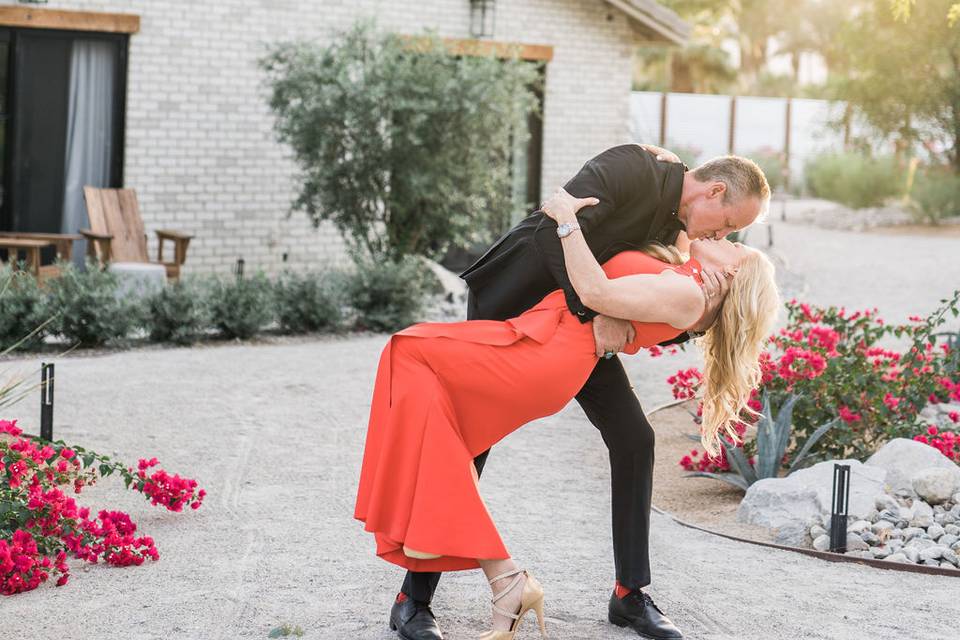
[[639, 199]]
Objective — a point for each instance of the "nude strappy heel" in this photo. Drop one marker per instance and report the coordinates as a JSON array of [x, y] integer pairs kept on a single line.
[[531, 598]]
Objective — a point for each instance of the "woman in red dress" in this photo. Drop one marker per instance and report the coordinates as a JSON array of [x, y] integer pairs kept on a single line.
[[446, 392]]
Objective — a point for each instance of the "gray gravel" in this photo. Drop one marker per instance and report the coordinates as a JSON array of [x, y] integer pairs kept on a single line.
[[275, 434]]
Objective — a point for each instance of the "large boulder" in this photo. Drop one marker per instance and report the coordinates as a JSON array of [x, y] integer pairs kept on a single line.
[[806, 496], [935, 485], [903, 458]]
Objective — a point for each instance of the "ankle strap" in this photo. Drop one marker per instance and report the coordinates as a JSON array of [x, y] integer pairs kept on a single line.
[[517, 579], [504, 575]]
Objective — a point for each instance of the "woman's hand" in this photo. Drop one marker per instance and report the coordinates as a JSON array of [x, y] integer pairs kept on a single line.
[[661, 153], [563, 207]]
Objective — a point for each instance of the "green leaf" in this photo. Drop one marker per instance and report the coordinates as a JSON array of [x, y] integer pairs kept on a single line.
[[729, 478]]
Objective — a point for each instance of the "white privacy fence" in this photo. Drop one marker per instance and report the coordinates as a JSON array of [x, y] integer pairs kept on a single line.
[[702, 127]]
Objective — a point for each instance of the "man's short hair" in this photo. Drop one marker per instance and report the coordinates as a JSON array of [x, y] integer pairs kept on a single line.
[[741, 175]]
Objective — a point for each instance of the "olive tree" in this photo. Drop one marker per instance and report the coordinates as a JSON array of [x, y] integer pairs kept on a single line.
[[404, 145]]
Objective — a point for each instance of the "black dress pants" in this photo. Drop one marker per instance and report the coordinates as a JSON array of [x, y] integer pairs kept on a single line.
[[611, 405]]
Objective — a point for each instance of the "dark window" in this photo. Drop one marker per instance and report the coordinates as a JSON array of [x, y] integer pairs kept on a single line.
[[62, 96]]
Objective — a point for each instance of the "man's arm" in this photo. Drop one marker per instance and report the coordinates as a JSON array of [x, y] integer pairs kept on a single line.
[[613, 177]]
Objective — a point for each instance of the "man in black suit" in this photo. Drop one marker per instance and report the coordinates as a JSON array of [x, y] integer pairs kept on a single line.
[[642, 198]]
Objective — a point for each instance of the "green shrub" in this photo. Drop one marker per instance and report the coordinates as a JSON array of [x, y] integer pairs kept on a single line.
[[23, 309], [854, 180], [178, 312], [389, 295], [309, 301], [90, 310], [935, 195], [771, 163], [406, 149], [241, 307]]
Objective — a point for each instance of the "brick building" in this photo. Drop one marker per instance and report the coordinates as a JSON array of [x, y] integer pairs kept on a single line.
[[165, 96]]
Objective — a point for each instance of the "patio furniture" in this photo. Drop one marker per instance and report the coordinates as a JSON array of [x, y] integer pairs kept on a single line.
[[30, 247], [116, 233], [62, 241]]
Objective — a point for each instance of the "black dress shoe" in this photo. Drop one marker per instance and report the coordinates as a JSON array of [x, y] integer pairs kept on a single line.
[[637, 610], [413, 620]]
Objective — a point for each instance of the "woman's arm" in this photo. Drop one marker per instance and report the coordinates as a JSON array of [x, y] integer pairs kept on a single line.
[[665, 297]]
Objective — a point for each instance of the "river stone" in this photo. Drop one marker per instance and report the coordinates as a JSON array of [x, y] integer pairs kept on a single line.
[[880, 552], [822, 543], [952, 529], [882, 525], [855, 542], [935, 485], [807, 494], [911, 532], [912, 554], [859, 526], [921, 543], [947, 539], [816, 531], [869, 537], [950, 556], [935, 531], [898, 557], [902, 458], [932, 553], [885, 502]]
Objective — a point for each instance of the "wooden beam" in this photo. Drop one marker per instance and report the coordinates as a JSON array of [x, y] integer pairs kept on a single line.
[[36, 18], [468, 47]]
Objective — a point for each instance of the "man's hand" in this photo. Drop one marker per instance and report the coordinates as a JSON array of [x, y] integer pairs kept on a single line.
[[661, 153], [611, 334], [563, 207], [716, 284]]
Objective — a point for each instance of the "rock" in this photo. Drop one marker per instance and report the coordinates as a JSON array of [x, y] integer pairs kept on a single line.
[[855, 542], [895, 533], [921, 543], [948, 518], [816, 531], [945, 565], [882, 525], [902, 458], [935, 531], [869, 537], [955, 546], [807, 494], [935, 485], [822, 543], [950, 556], [952, 529], [880, 552], [898, 557], [912, 554], [911, 532], [859, 526], [932, 553], [885, 502], [947, 539], [792, 534], [956, 499]]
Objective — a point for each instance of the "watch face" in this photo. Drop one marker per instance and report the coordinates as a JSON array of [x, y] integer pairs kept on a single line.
[[563, 230]]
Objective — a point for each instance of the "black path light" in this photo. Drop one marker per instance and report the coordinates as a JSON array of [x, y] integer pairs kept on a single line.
[[482, 18], [838, 514], [239, 269], [46, 401]]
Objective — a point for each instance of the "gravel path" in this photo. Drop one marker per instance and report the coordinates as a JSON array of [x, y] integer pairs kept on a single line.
[[275, 434]]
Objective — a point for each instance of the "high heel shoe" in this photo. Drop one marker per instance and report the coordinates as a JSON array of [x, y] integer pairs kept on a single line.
[[530, 598]]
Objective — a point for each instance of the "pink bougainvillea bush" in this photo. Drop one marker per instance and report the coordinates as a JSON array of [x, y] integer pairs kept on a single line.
[[41, 526], [831, 359]]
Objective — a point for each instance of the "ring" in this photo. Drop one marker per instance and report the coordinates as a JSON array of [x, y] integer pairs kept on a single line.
[[609, 354]]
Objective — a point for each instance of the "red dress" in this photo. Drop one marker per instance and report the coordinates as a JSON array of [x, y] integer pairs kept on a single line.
[[446, 392]]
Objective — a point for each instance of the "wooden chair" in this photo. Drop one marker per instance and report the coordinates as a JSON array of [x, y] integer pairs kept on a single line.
[[116, 232]]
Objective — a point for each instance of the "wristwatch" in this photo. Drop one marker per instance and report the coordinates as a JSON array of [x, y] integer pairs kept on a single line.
[[566, 229]]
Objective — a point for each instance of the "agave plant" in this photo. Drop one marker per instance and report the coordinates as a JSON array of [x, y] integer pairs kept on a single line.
[[773, 437]]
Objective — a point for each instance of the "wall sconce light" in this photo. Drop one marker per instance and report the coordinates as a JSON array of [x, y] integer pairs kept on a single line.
[[482, 18]]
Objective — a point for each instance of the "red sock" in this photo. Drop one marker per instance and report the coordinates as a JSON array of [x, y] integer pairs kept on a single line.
[[401, 597], [621, 590]]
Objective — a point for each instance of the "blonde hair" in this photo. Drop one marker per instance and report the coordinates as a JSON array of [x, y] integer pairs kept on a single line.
[[743, 177], [732, 346]]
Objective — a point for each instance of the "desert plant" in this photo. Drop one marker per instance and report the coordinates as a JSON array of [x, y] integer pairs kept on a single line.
[[90, 311], [309, 301], [240, 307], [24, 314], [935, 195], [855, 180], [402, 145], [389, 295], [178, 312], [772, 440]]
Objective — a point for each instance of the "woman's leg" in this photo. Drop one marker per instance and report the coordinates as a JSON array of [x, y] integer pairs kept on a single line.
[[510, 601]]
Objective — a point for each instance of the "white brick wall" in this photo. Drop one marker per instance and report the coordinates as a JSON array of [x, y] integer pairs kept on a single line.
[[200, 149]]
